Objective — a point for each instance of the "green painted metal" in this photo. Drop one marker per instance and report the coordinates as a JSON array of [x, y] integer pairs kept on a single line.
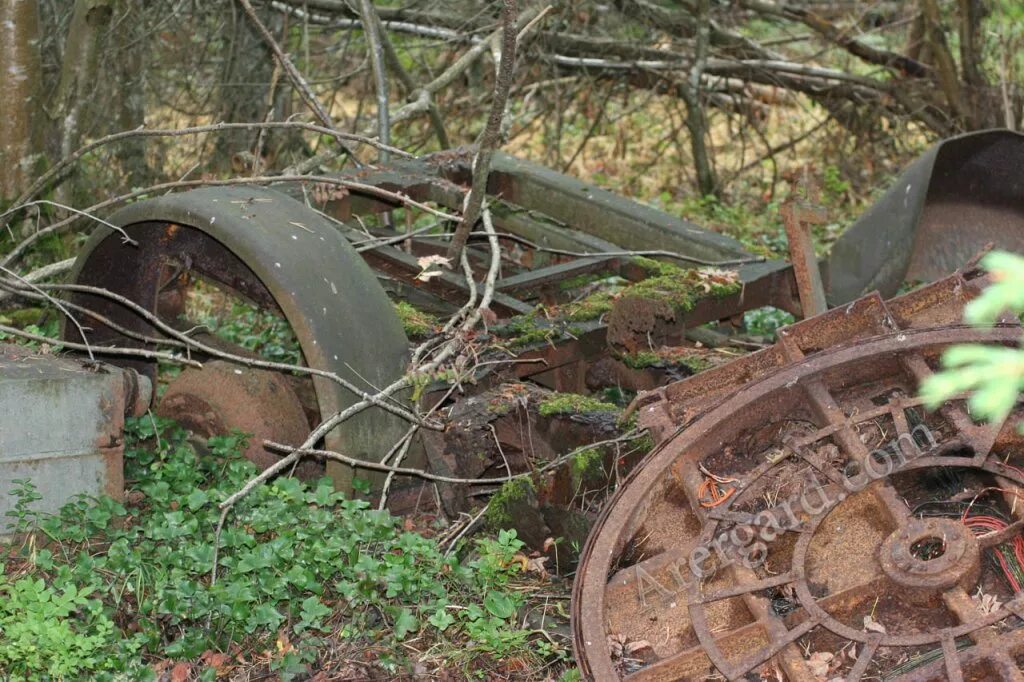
[[959, 196], [262, 242]]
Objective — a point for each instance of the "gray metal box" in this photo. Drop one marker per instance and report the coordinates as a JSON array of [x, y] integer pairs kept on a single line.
[[61, 423]]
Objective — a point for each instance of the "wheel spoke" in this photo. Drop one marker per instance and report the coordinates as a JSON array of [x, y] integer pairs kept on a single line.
[[867, 652]]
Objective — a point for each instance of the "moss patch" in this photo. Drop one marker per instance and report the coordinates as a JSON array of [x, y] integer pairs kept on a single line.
[[502, 510], [573, 403], [668, 357], [586, 467], [416, 323], [679, 288], [507, 397], [590, 308], [580, 281], [524, 330]]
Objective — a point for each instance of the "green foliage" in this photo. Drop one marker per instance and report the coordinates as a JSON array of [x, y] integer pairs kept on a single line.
[[500, 512], [58, 634], [572, 403], [416, 323], [766, 321], [666, 358], [586, 467], [525, 330], [1006, 293], [38, 321], [261, 331], [590, 308], [993, 375], [292, 557]]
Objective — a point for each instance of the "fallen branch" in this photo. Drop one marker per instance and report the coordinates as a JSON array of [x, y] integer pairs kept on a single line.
[[57, 169]]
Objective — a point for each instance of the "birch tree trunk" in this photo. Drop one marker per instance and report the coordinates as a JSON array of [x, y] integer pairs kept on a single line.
[[20, 106]]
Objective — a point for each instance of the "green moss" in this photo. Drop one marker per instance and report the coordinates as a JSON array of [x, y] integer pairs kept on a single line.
[[524, 330], [573, 403], [416, 323], [590, 308], [586, 467], [657, 268], [642, 360], [500, 512], [644, 443], [667, 357], [676, 291], [695, 363], [580, 281]]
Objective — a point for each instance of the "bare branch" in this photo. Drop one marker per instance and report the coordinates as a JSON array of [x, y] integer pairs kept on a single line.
[[490, 138]]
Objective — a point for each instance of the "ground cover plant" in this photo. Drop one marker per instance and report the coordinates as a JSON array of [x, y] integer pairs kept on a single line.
[[309, 580]]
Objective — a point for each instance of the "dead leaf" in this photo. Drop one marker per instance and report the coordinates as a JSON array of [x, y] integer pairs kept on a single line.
[[489, 316], [521, 559], [872, 625], [220, 662], [987, 603], [548, 544], [425, 262], [181, 671], [428, 275], [819, 664], [636, 646], [616, 643], [536, 565]]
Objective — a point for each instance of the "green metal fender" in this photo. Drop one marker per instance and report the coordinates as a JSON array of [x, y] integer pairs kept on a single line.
[[959, 196], [278, 253]]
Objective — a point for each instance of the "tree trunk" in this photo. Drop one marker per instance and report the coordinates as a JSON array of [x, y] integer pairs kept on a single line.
[[696, 120], [71, 106], [20, 74], [130, 76], [248, 68]]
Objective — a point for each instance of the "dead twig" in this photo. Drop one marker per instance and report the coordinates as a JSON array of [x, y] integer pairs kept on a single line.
[[491, 135], [305, 92]]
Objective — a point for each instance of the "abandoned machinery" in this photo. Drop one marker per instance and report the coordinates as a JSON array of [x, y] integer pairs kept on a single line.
[[904, 574], [819, 523]]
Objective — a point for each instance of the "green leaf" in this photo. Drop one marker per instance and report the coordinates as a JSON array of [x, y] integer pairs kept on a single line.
[[441, 619], [313, 609], [405, 623], [499, 605], [196, 499]]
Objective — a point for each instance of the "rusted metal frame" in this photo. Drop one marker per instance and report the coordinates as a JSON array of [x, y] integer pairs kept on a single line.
[[598, 212], [848, 441], [781, 636], [448, 285], [275, 251], [774, 287], [534, 282], [633, 487], [797, 218], [545, 231], [416, 296], [939, 303]]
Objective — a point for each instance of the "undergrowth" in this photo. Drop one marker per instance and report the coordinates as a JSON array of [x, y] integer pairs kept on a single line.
[[105, 589]]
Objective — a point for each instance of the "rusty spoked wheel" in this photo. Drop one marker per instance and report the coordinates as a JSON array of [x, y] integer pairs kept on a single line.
[[817, 525]]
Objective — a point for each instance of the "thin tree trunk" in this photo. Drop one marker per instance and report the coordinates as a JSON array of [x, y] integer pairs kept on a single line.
[[130, 75], [70, 106], [696, 121], [248, 67], [20, 75]]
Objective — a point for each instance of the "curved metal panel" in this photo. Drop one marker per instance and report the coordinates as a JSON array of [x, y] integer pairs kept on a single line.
[[273, 250], [959, 196]]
